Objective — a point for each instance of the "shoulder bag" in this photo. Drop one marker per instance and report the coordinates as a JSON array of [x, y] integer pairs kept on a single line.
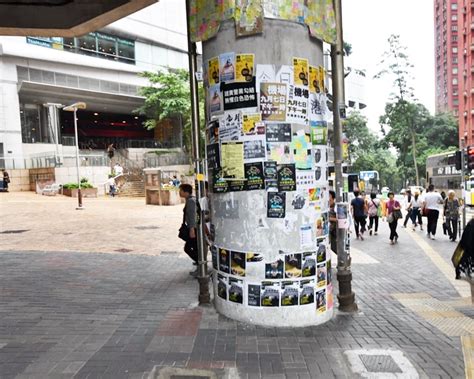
[[183, 232]]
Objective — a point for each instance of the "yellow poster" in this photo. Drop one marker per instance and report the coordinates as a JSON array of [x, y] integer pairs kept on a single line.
[[232, 159], [248, 123], [300, 71], [322, 74], [244, 64], [213, 71], [314, 79]]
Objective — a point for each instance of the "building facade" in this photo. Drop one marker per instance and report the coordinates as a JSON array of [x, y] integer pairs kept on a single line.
[[454, 50], [40, 75]]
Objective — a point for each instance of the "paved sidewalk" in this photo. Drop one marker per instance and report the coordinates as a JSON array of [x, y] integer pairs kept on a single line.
[[66, 313]]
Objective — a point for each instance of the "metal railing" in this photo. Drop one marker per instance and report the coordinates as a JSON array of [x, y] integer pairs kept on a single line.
[[168, 159]]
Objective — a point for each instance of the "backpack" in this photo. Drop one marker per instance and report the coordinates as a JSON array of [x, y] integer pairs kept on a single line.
[[375, 210]]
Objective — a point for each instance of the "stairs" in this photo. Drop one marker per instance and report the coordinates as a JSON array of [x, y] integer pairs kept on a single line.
[[133, 187]]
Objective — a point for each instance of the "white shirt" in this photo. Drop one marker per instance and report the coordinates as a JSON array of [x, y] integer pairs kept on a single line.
[[416, 203], [433, 201]]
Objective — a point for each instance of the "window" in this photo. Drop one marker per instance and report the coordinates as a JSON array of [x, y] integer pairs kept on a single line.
[[126, 50], [454, 6], [454, 17], [107, 46], [34, 124], [454, 38], [455, 49], [87, 44], [454, 28], [455, 70], [455, 81], [455, 59]]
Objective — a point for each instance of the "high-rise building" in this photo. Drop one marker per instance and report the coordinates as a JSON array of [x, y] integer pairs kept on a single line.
[[454, 49]]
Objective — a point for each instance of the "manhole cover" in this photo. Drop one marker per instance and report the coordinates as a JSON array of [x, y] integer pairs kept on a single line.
[[146, 227], [380, 363], [18, 231], [123, 250]]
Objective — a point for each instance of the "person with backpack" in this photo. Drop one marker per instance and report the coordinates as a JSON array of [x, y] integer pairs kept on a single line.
[[393, 213], [451, 214], [415, 205], [374, 213], [359, 212]]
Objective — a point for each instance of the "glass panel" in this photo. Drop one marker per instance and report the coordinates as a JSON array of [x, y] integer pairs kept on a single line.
[[87, 44], [30, 123], [23, 73], [107, 46], [126, 51], [69, 44]]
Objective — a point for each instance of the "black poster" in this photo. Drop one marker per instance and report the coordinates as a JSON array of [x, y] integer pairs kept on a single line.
[[213, 132], [214, 257], [213, 156], [254, 176], [270, 175], [289, 294], [253, 295], [239, 95], [236, 292], [219, 184], [236, 185], [274, 270], [276, 204], [224, 260], [286, 177], [278, 132], [222, 286]]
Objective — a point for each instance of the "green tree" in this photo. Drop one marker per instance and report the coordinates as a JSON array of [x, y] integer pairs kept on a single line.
[[442, 132], [168, 97], [359, 136]]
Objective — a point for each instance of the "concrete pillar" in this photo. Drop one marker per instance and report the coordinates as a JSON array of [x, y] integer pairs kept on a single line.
[[272, 267]]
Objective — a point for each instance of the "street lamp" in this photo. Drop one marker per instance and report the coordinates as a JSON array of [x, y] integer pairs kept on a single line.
[[73, 108]]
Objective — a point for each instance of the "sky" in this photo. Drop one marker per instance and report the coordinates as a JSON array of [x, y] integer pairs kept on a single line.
[[368, 24]]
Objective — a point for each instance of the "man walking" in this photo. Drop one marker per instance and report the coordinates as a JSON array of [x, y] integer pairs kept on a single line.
[[189, 219], [432, 203], [359, 212]]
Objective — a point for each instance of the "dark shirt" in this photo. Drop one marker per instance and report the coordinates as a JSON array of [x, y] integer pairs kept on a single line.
[[190, 212], [358, 206]]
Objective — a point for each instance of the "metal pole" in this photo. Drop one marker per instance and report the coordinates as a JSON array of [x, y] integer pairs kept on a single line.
[[344, 275], [79, 194], [463, 182], [203, 278]]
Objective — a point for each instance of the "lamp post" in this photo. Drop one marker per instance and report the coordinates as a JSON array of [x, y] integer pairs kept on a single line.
[[73, 108]]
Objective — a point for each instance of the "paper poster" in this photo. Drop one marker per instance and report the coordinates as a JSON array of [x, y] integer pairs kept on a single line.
[[253, 295], [297, 106], [321, 255], [254, 176], [286, 177], [289, 293], [280, 152], [265, 74], [270, 175], [302, 152], [236, 290], [319, 132], [320, 154], [215, 99], [309, 264], [213, 71], [214, 257], [329, 271], [305, 180], [213, 156], [293, 266], [222, 286], [270, 295], [232, 160], [342, 213], [322, 79], [322, 226], [244, 67], [285, 75], [300, 71], [274, 270], [239, 95], [227, 66], [224, 260], [219, 184], [330, 297], [306, 236], [276, 204], [278, 132], [248, 17], [306, 291], [272, 101], [230, 126], [317, 107], [255, 149], [321, 301], [315, 194], [237, 263], [237, 185], [299, 200], [320, 175], [321, 274], [252, 124], [314, 85], [213, 132]]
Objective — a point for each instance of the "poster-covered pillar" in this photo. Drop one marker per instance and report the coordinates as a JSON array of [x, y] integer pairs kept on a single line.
[[266, 141]]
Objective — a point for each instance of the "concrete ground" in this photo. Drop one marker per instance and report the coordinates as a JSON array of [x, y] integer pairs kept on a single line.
[[105, 293]]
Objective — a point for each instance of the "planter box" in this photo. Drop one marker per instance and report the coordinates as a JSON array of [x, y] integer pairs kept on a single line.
[[163, 197], [86, 192]]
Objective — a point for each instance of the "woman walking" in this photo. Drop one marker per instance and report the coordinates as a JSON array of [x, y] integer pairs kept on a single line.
[[392, 217], [407, 207], [373, 205], [451, 213], [415, 205]]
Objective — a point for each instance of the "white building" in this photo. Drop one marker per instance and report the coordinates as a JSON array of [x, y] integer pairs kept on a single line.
[[100, 69]]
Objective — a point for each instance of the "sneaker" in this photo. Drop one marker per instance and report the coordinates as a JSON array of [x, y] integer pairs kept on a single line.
[[370, 232], [421, 227], [391, 242], [361, 237], [433, 237], [375, 233], [396, 239]]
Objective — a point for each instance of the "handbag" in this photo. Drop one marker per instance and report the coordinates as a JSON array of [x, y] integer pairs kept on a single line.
[[390, 218], [183, 232], [397, 214], [457, 255], [425, 212]]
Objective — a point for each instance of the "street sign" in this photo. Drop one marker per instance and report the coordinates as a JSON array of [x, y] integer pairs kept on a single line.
[[367, 175]]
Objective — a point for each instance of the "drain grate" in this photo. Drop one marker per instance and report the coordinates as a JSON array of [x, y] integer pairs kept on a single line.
[[17, 231], [380, 363], [147, 227], [123, 250]]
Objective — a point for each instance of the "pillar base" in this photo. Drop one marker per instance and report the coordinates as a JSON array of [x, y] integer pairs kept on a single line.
[[204, 295], [346, 297]]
